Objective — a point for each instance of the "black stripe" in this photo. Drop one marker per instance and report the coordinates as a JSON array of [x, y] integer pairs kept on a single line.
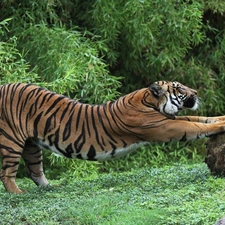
[[12, 164], [184, 138], [67, 128], [65, 111], [91, 153], [78, 144], [95, 128], [78, 116], [54, 104], [123, 100], [34, 106], [69, 149], [50, 122], [79, 156], [11, 137], [108, 120], [103, 126], [35, 125], [112, 113], [145, 103], [11, 150], [34, 163], [50, 95], [28, 96], [117, 106], [113, 149], [44, 97], [56, 144], [86, 119], [124, 125]]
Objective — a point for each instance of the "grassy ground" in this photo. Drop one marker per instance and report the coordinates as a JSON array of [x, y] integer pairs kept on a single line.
[[179, 194]]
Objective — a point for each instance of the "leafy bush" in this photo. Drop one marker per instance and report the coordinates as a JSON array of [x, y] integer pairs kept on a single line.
[[68, 62], [13, 67], [153, 40], [150, 35], [141, 41]]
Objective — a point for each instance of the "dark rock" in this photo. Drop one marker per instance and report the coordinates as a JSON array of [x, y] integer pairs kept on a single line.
[[215, 158], [220, 222]]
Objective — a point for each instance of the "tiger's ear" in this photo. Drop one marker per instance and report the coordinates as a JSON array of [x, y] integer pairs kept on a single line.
[[156, 90]]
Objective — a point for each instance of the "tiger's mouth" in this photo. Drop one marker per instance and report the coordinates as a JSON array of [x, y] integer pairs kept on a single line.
[[191, 103]]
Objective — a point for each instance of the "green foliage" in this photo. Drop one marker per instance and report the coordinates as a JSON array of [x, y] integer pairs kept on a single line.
[[175, 194], [13, 67], [83, 48], [65, 60], [77, 168], [153, 40], [68, 62], [28, 13], [157, 26], [141, 41]]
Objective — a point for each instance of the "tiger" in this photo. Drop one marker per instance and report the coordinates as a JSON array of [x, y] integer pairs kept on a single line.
[[33, 118]]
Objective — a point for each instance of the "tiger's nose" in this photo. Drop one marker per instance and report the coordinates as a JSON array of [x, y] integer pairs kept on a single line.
[[194, 92]]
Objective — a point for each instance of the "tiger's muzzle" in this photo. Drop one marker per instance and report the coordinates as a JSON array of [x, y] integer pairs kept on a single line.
[[191, 102]]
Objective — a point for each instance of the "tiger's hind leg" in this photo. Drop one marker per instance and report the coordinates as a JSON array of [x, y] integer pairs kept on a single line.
[[32, 156], [10, 164]]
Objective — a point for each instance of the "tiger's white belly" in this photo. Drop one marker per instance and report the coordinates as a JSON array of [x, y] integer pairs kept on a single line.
[[120, 152], [100, 156]]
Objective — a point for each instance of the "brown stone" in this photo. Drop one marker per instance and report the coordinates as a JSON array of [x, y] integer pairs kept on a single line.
[[221, 221], [215, 158]]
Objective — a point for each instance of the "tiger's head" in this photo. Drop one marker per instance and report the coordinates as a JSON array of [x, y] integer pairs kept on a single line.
[[166, 97], [173, 97]]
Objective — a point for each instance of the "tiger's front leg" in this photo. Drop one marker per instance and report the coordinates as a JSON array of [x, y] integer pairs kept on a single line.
[[32, 156], [201, 119]]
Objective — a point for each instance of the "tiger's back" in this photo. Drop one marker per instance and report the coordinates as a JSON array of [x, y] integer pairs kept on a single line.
[[60, 124]]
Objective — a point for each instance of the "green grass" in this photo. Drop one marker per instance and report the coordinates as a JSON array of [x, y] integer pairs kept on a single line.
[[179, 194]]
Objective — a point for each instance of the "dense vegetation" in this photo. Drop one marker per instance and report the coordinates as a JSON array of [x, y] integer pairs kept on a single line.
[[92, 50], [78, 46]]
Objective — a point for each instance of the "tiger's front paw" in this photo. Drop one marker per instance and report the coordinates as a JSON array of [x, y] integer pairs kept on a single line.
[[217, 119]]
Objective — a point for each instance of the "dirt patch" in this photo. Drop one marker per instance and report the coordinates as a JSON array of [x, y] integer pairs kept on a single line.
[[215, 158]]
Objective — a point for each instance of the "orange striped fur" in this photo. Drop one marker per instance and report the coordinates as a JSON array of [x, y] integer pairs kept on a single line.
[[32, 118]]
